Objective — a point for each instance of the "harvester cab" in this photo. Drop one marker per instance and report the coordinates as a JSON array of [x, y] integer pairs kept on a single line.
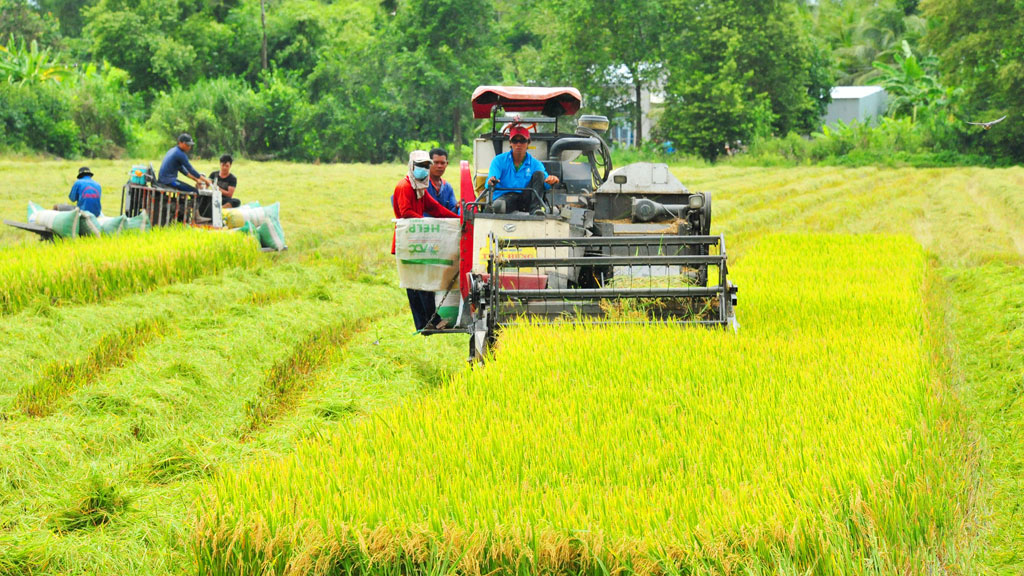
[[623, 245]]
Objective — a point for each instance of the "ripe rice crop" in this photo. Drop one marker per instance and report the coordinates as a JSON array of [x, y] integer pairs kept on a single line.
[[804, 443], [97, 269]]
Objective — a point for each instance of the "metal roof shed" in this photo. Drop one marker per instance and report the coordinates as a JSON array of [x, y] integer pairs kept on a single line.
[[865, 104]]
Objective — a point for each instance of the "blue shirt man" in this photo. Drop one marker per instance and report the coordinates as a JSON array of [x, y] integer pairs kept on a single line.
[[517, 169], [175, 162], [436, 186], [86, 192], [503, 167]]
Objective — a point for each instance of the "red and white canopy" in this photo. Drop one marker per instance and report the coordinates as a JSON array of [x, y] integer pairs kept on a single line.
[[547, 101]]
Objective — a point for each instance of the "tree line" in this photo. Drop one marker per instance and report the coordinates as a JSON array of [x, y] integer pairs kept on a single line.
[[362, 80]]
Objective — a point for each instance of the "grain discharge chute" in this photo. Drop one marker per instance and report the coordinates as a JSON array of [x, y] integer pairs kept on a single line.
[[626, 245]]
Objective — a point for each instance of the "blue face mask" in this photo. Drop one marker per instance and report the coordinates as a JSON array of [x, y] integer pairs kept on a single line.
[[419, 173]]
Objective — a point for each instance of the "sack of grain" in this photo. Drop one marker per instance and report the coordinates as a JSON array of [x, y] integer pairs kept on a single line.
[[111, 225], [138, 222], [88, 225], [63, 224], [271, 235], [427, 252]]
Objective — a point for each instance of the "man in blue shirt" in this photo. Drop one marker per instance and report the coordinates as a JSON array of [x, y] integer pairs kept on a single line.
[[517, 169], [436, 186], [175, 161], [86, 192]]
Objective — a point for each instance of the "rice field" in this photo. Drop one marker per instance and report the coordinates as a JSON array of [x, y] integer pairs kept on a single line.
[[795, 444], [91, 270], [276, 414]]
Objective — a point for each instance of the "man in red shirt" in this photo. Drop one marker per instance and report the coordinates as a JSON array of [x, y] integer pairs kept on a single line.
[[410, 199]]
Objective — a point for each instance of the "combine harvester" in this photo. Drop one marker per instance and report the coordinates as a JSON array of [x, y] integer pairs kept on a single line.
[[613, 246]]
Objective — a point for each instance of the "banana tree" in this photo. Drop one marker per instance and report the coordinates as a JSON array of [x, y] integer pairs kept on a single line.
[[21, 65], [909, 83]]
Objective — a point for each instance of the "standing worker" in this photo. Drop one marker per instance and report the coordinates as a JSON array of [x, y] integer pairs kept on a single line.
[[517, 169], [410, 201], [175, 161], [86, 192], [436, 186]]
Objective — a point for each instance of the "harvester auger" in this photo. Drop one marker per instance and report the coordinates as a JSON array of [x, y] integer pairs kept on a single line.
[[626, 245]]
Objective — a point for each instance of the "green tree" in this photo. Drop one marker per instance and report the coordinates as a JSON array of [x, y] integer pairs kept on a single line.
[[30, 65], [739, 70], [979, 50], [612, 51], [137, 36], [357, 113], [24, 21], [863, 31], [103, 111], [910, 84], [436, 52], [68, 13]]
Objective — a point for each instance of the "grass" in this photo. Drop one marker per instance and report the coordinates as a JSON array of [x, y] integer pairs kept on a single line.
[[100, 502], [289, 377], [111, 351], [989, 327], [160, 424]]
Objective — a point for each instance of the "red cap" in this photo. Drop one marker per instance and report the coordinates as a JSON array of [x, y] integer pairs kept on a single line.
[[518, 130]]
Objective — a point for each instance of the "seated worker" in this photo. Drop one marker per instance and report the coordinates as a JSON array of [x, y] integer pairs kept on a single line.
[[436, 186], [410, 201], [517, 169], [227, 182], [86, 192], [175, 161]]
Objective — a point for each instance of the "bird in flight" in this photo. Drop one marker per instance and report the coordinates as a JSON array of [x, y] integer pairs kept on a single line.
[[987, 125]]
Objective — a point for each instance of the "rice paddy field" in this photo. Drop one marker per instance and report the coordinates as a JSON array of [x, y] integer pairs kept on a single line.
[[244, 413]]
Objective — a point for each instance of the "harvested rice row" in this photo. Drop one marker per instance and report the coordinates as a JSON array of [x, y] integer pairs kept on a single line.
[[289, 377], [97, 269], [59, 378], [800, 444]]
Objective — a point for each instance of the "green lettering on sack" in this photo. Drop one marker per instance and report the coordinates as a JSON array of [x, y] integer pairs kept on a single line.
[[440, 261], [420, 248], [420, 228]]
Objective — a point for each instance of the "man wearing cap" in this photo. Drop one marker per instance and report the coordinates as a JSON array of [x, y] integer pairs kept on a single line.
[[410, 201], [175, 161], [517, 169], [86, 192]]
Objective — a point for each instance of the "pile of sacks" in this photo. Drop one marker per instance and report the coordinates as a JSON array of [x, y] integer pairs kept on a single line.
[[264, 222], [74, 223]]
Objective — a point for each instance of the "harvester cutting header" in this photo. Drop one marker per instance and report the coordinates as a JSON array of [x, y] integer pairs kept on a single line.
[[550, 231]]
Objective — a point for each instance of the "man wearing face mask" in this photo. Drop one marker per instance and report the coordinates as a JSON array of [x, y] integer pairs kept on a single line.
[[409, 201]]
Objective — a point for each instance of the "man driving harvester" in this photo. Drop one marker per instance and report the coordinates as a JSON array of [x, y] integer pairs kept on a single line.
[[522, 178], [175, 162]]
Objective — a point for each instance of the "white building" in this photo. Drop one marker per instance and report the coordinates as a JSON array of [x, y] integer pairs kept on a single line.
[[651, 106], [866, 104]]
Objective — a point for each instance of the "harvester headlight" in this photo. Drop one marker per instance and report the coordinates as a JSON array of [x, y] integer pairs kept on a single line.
[[696, 201]]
